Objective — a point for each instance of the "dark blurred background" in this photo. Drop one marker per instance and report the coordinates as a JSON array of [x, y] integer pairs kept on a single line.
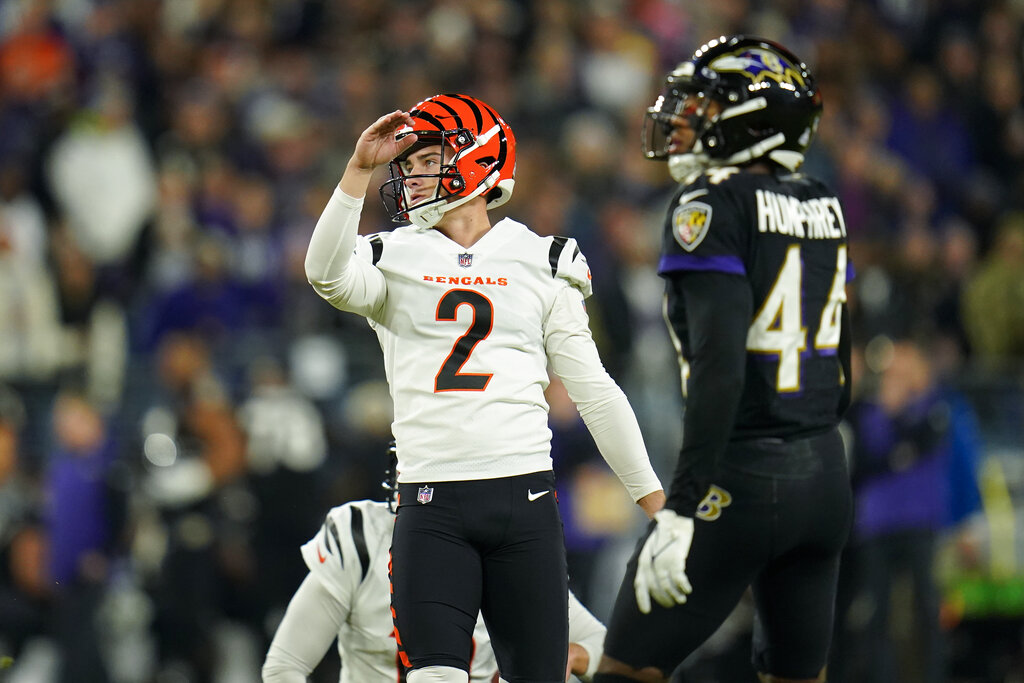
[[178, 409]]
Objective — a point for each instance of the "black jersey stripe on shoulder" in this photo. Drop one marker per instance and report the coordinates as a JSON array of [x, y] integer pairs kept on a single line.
[[377, 245], [359, 538], [332, 529], [557, 245]]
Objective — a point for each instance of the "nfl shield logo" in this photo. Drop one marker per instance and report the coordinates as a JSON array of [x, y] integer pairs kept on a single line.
[[465, 260], [424, 494]]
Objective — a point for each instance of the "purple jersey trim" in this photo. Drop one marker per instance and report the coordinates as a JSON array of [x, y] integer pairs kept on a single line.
[[725, 263]]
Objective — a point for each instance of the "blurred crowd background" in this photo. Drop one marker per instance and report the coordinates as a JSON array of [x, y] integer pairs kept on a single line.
[[178, 409]]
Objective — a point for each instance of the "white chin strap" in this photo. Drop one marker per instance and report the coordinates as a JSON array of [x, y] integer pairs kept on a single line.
[[428, 216], [685, 168], [787, 158]]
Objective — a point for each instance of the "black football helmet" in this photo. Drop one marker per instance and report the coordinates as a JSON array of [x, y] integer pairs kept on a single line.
[[770, 107]]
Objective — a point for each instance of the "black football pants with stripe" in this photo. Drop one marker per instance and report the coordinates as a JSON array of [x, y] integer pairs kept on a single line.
[[494, 545], [778, 523]]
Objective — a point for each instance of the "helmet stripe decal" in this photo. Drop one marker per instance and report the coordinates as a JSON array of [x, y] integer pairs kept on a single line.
[[502, 142], [756, 104], [450, 110], [428, 117], [473, 108]]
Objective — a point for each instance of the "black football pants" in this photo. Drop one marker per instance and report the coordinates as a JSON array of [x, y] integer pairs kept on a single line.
[[778, 523], [492, 545]]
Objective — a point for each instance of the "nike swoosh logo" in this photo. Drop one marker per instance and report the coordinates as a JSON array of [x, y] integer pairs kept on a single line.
[[534, 496], [320, 555]]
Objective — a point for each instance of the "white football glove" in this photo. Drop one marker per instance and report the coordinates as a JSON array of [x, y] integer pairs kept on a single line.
[[661, 567]]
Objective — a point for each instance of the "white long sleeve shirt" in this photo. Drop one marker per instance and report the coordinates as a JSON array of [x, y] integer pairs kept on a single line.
[[346, 595], [468, 335]]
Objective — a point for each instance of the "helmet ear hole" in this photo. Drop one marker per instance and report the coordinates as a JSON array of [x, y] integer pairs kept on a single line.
[[452, 181]]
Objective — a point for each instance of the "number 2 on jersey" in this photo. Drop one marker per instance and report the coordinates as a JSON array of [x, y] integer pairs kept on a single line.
[[448, 377], [778, 326]]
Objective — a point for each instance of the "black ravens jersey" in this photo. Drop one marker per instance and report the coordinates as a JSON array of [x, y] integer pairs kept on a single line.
[[755, 265], [755, 269], [786, 235]]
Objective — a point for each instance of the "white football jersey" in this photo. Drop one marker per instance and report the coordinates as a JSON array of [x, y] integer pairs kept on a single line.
[[463, 335], [349, 556], [468, 335]]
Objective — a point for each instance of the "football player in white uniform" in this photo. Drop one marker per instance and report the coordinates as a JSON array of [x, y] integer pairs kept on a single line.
[[346, 595], [470, 316]]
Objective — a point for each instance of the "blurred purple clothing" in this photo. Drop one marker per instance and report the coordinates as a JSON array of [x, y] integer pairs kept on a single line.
[[938, 147], [916, 496], [218, 311], [78, 520]]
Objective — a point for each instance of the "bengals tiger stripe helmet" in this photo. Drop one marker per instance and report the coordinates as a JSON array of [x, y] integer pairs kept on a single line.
[[478, 152]]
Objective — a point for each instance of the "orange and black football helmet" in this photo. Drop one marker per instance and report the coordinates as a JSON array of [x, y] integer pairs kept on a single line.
[[478, 157]]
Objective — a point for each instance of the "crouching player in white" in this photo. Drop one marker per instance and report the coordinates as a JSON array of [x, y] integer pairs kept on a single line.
[[346, 595]]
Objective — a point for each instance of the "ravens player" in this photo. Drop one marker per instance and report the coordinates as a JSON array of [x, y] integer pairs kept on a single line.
[[755, 264]]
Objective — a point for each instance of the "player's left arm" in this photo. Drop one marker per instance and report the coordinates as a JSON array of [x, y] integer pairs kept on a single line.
[[712, 309], [718, 308], [310, 625], [602, 404]]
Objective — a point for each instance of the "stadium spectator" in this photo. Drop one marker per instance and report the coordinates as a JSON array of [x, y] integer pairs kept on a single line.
[[903, 468], [993, 300], [84, 526]]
